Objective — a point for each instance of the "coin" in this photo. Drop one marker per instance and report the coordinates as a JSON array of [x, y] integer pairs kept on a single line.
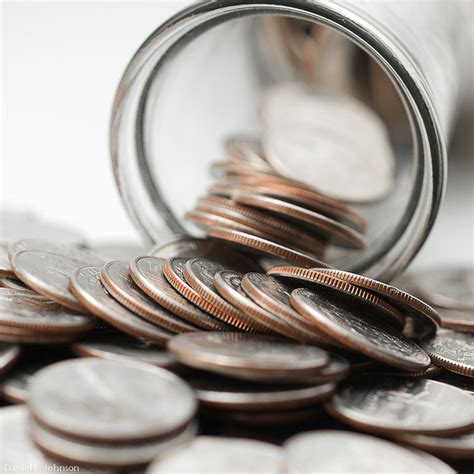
[[452, 350], [228, 394], [401, 405], [22, 313], [422, 314], [260, 245], [68, 250], [228, 284], [278, 228], [344, 451], [200, 273], [455, 447], [147, 273], [9, 355], [246, 149], [48, 274], [464, 383], [86, 286], [338, 233], [90, 454], [456, 319], [217, 454], [6, 269], [120, 347], [249, 356], [27, 336], [431, 372], [118, 282], [183, 246], [14, 284], [86, 399], [357, 325], [451, 288], [27, 295]]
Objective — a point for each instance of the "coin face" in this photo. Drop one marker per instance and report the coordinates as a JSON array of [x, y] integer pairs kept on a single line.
[[452, 350], [48, 274], [423, 315], [122, 347], [85, 398], [451, 288], [118, 282], [357, 325], [147, 273], [86, 286], [228, 394], [9, 355], [263, 246], [248, 356], [98, 455], [344, 451], [328, 228], [216, 454], [26, 313], [401, 405]]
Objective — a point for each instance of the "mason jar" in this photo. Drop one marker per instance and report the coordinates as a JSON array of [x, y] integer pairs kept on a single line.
[[197, 79]]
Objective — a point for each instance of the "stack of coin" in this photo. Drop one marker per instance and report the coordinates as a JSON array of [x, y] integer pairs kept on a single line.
[[82, 414]]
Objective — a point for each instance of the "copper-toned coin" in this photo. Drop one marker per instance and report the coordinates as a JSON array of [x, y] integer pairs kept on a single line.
[[337, 233], [147, 273], [173, 269], [69, 250], [9, 355], [457, 319], [68, 397], [117, 457], [229, 394], [274, 296], [200, 274], [306, 198], [357, 325], [387, 312], [25, 313], [260, 245], [227, 283], [206, 454], [86, 286], [121, 347], [453, 447], [278, 228], [27, 336], [452, 350], [451, 288], [206, 219], [118, 282], [344, 451], [249, 356], [48, 274], [6, 269], [401, 405], [423, 316]]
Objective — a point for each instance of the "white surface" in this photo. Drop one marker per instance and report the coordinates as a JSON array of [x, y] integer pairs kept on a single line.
[[61, 64]]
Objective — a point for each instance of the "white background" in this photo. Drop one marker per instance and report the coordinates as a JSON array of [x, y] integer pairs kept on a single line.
[[61, 63]]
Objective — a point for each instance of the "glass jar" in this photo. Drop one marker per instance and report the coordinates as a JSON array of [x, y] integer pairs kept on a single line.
[[197, 78]]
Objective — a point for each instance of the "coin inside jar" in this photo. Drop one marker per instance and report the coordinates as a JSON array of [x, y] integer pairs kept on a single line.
[[85, 398], [249, 356]]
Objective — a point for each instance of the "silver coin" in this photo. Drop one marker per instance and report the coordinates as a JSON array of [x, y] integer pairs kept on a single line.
[[456, 447], [6, 269], [9, 354], [68, 250], [464, 383], [86, 453], [26, 295], [230, 394], [122, 347], [118, 282], [21, 312], [343, 451], [147, 273], [248, 356], [108, 401], [451, 288], [86, 286], [452, 350], [48, 274], [208, 454], [357, 326], [404, 405]]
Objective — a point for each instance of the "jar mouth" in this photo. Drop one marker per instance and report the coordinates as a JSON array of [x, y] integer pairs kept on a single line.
[[142, 90]]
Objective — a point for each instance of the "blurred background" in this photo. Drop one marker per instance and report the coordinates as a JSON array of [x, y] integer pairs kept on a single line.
[[61, 63]]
